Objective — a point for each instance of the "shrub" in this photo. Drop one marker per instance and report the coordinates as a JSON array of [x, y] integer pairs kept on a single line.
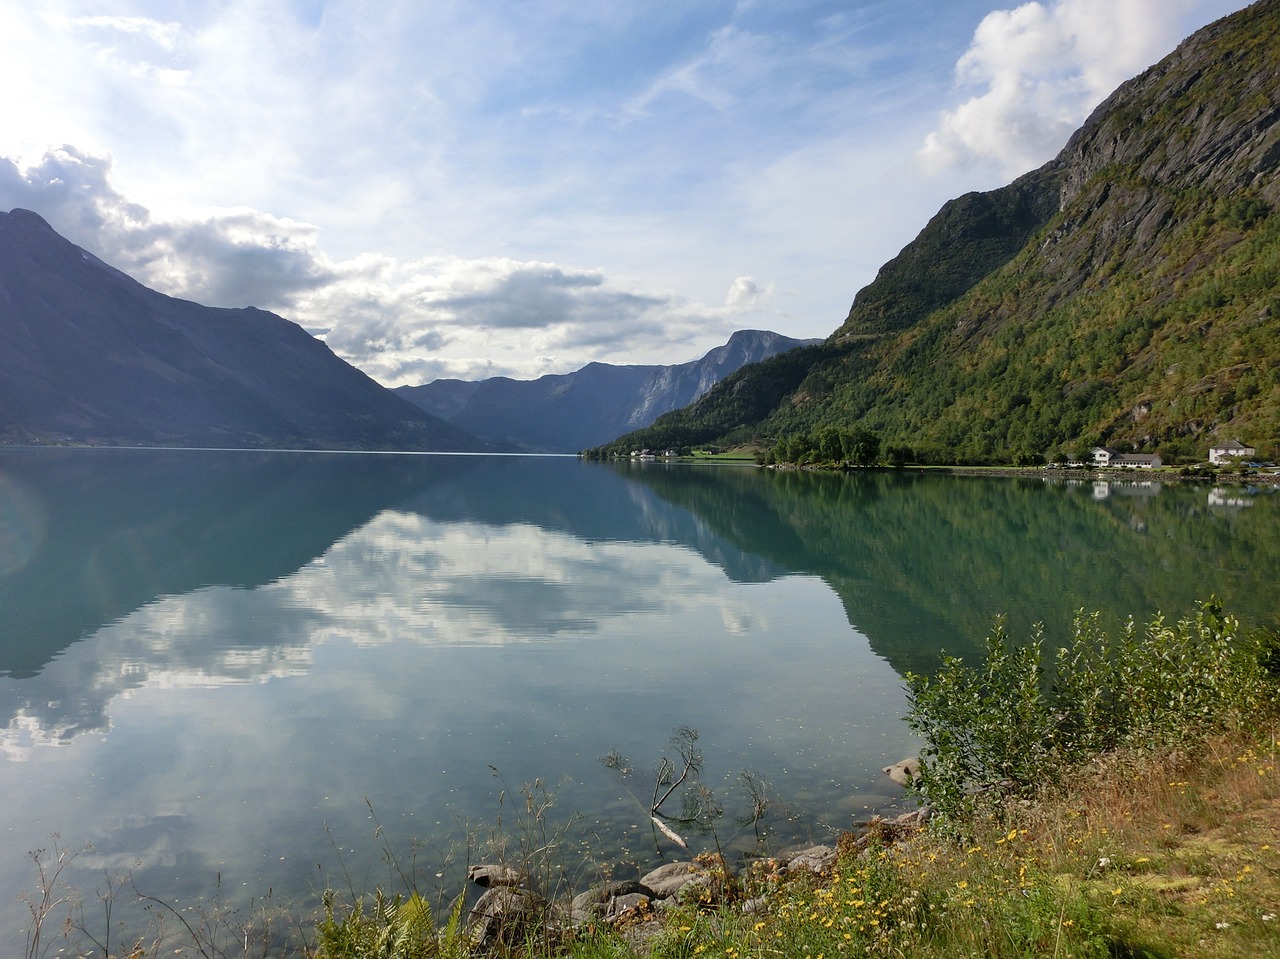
[[1014, 725]]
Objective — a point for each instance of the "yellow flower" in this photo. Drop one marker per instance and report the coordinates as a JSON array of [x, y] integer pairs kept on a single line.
[[962, 884], [1116, 891]]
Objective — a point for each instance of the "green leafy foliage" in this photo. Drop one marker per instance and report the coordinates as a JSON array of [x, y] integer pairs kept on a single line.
[[389, 927], [830, 445], [1020, 720]]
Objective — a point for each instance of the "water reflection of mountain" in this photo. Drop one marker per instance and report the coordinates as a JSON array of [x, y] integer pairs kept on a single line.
[[89, 536], [924, 561], [108, 531]]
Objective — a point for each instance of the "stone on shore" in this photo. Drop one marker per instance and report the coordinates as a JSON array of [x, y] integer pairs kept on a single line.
[[904, 772], [487, 875], [505, 917], [667, 880], [602, 902]]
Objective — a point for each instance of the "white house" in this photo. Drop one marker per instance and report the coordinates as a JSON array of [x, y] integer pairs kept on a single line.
[[1104, 456], [1138, 461], [1230, 450]]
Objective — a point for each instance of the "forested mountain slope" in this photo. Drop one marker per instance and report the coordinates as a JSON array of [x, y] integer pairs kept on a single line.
[[1127, 292]]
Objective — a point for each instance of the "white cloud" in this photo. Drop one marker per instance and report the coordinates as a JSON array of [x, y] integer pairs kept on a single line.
[[400, 321], [1040, 69], [746, 293]]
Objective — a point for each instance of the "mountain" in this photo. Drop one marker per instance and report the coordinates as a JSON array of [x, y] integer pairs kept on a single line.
[[88, 355], [565, 413], [1127, 292]]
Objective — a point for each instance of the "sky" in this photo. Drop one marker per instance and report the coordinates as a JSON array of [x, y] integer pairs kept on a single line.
[[457, 188]]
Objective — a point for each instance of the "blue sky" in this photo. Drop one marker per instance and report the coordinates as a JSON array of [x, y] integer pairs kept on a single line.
[[450, 188]]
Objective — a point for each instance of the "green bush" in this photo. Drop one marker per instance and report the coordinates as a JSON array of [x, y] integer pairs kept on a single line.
[[1017, 722], [394, 927]]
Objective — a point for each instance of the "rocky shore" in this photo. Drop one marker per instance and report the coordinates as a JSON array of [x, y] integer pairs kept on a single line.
[[510, 911]]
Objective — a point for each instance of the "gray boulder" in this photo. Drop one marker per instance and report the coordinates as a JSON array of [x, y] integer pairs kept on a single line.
[[815, 859], [905, 772], [506, 917], [667, 880], [494, 875], [601, 902]]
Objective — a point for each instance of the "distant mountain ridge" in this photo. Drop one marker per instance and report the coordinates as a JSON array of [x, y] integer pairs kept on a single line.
[[568, 412], [1125, 293], [89, 355]]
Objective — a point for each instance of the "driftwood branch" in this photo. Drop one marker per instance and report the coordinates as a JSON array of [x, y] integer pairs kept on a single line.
[[684, 774]]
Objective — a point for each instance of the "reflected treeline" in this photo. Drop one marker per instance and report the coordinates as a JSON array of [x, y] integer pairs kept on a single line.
[[89, 536], [923, 562]]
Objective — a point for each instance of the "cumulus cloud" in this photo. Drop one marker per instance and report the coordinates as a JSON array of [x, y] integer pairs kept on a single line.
[[1039, 70], [400, 321], [234, 257], [745, 293]]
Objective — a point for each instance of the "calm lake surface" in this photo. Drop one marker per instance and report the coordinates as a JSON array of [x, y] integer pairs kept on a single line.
[[249, 671]]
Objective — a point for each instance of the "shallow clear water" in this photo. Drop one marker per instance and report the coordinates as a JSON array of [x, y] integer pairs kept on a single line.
[[261, 670]]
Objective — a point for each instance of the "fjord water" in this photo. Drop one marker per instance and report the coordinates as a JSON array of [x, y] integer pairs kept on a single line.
[[217, 668]]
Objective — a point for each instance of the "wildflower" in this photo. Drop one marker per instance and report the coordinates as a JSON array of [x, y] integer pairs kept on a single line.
[[1268, 916], [1104, 862], [1142, 859], [962, 884], [1117, 890], [1221, 925]]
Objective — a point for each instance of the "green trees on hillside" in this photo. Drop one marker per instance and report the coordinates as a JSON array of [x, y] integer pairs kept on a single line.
[[827, 444]]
